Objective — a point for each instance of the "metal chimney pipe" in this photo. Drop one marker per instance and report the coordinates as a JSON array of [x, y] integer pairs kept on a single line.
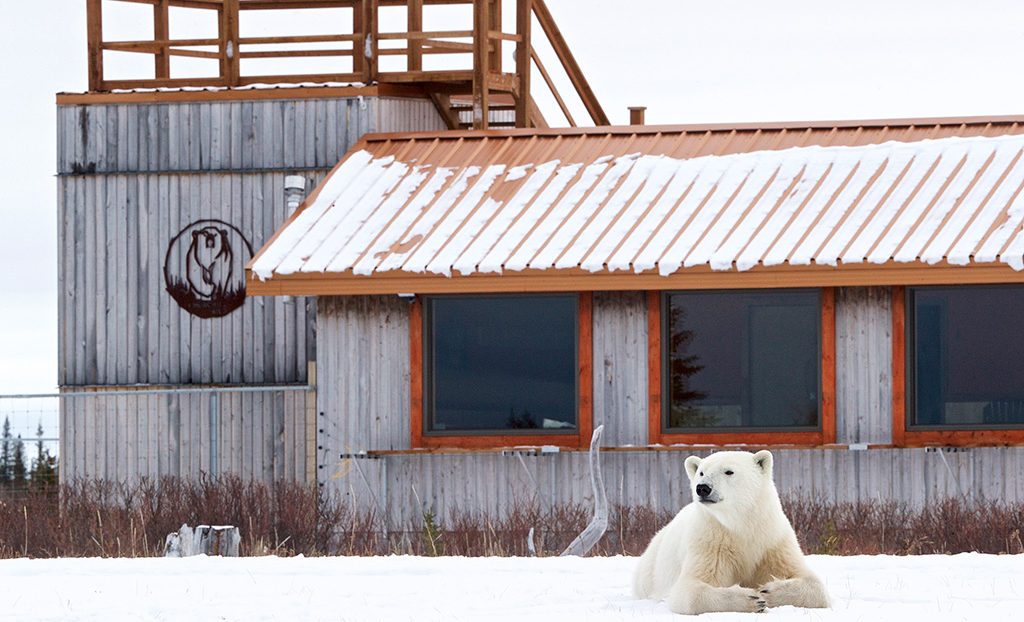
[[636, 115], [294, 191]]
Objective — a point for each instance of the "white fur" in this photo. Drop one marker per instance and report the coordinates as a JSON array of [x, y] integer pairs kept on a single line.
[[737, 553]]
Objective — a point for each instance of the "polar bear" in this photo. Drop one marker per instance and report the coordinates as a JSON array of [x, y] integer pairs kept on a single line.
[[733, 548]]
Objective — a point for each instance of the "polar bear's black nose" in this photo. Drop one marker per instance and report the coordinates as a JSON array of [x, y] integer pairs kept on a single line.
[[703, 490]]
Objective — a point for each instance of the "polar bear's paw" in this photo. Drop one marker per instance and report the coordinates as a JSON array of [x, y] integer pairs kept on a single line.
[[800, 592], [697, 598]]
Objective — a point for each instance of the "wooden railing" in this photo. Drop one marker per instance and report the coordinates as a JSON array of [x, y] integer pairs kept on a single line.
[[476, 84]]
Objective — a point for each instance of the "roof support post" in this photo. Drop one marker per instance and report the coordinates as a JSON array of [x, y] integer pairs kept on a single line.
[[229, 65], [494, 25], [524, 19], [94, 36], [369, 43], [481, 64], [162, 57], [415, 24]]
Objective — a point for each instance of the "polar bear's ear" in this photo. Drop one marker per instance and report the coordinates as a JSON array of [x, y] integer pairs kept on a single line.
[[764, 460], [692, 463]]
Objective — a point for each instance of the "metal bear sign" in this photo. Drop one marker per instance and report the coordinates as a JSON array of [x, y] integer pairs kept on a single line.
[[204, 269]]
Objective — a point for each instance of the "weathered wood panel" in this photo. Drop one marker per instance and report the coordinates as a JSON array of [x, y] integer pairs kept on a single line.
[[258, 435], [363, 368], [403, 487], [864, 365], [620, 367], [229, 135], [120, 324]]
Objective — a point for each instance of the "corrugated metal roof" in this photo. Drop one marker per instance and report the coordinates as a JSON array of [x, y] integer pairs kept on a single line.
[[662, 200]]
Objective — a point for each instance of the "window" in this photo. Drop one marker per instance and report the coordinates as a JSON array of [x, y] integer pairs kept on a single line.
[[962, 362], [502, 369], [744, 366]]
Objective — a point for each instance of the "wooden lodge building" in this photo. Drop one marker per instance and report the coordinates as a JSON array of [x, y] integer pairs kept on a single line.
[[458, 308]]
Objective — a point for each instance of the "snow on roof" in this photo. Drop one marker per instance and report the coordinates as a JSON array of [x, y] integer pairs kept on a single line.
[[955, 199]]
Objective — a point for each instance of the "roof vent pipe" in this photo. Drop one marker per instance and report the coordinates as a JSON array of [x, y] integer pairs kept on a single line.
[[636, 115], [294, 191]]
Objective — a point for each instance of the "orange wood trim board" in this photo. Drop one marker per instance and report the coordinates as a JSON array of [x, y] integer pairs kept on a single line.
[[775, 277], [420, 440], [899, 364], [815, 438]]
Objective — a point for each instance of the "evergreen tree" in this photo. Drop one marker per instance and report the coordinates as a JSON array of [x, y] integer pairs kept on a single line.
[[18, 469], [44, 466], [6, 449]]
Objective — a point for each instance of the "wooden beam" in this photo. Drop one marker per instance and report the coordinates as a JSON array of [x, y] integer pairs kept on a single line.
[[572, 68], [443, 103], [654, 418], [414, 24], [856, 275], [828, 365], [229, 43], [162, 59], [240, 94], [371, 44], [359, 43], [481, 65], [524, 21], [494, 25], [94, 37], [554, 90], [899, 366]]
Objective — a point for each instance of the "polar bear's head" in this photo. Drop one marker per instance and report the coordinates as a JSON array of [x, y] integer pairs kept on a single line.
[[728, 481]]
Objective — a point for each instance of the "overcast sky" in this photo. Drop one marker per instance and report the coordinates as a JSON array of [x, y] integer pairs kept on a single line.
[[721, 61]]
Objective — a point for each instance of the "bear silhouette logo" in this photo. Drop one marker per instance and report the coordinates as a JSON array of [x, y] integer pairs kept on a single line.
[[204, 270]]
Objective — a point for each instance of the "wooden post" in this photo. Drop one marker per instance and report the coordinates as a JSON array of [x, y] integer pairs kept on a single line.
[[369, 51], [524, 18], [481, 65], [495, 26], [229, 65], [415, 24], [94, 35], [359, 44], [162, 58]]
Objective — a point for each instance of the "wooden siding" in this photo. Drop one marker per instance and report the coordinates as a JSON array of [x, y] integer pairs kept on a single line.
[[402, 487], [620, 367], [864, 365], [130, 177], [227, 135], [363, 367], [256, 435], [365, 409], [118, 323]]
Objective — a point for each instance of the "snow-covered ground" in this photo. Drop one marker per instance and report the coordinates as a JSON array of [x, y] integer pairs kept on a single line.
[[927, 588]]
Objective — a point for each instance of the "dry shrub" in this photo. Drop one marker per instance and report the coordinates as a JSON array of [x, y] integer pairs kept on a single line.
[[97, 518], [895, 528]]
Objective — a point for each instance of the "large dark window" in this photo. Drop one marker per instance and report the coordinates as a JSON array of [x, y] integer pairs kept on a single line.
[[504, 364], [741, 360], [964, 349]]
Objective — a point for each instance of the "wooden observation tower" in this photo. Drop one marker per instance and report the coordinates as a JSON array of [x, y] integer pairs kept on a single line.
[[469, 73]]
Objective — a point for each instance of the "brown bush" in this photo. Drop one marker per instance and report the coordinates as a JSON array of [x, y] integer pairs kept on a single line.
[[98, 518]]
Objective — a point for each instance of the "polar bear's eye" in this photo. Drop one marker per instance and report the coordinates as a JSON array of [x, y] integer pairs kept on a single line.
[[701, 474], [728, 472]]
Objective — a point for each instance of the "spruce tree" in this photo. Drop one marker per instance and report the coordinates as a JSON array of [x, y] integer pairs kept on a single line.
[[18, 470], [44, 466], [6, 450]]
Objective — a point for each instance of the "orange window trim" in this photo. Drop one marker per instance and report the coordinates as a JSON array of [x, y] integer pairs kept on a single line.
[[825, 436], [902, 434], [585, 427]]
